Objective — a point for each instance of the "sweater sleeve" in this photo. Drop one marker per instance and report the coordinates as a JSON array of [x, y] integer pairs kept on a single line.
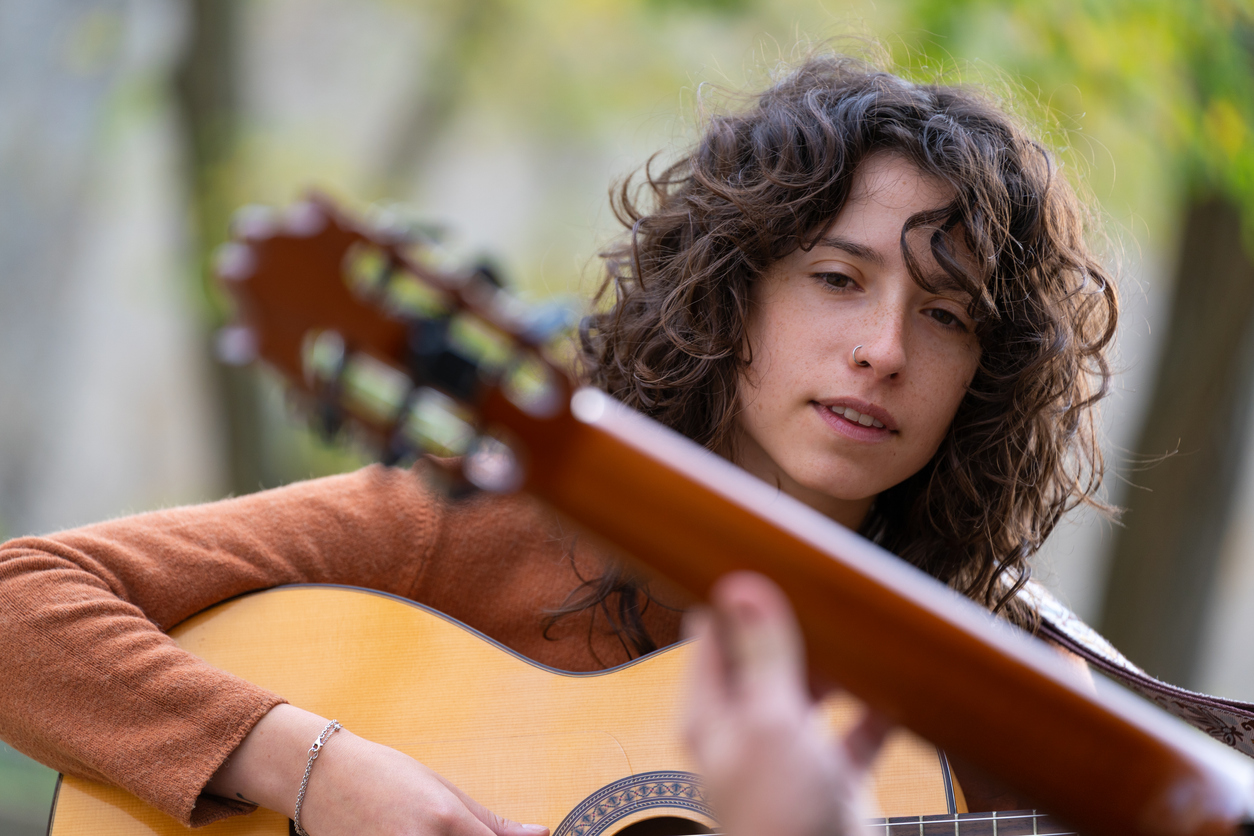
[[89, 683]]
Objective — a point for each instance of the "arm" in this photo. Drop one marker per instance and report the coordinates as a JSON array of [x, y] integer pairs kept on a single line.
[[753, 728], [91, 686], [356, 788]]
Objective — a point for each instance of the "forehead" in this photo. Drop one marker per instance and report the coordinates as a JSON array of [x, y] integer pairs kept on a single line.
[[887, 185], [886, 192]]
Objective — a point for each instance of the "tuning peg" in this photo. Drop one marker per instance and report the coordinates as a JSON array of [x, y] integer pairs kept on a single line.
[[305, 219], [235, 345], [234, 262], [254, 222], [491, 465]]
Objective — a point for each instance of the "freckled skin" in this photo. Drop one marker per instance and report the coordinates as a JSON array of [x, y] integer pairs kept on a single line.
[[813, 308]]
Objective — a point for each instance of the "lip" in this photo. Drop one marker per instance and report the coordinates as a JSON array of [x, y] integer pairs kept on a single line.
[[852, 429], [879, 413]]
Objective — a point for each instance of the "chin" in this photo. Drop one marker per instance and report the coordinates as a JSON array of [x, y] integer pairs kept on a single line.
[[840, 491]]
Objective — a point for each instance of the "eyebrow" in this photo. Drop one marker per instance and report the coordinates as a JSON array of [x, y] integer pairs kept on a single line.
[[940, 280], [855, 249]]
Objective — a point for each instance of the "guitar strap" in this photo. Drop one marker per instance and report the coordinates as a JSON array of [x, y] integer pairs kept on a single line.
[[1228, 721]]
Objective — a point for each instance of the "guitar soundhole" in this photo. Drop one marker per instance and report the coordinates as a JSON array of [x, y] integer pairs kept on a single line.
[[645, 804], [660, 826], [664, 826]]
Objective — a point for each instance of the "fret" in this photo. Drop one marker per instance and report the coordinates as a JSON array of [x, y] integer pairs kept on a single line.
[[1008, 823]]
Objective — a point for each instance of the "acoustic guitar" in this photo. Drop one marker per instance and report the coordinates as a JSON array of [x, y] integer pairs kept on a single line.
[[373, 328], [588, 754]]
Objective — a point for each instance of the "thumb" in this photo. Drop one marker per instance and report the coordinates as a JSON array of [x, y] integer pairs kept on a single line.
[[499, 825], [762, 635], [506, 827]]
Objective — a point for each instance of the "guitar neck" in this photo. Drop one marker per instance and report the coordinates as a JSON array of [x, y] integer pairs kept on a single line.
[[1007, 823], [889, 634]]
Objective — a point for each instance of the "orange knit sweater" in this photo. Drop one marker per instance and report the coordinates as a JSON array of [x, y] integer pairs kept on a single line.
[[90, 685]]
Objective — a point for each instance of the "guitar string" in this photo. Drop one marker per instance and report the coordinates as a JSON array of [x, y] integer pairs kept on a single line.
[[958, 821]]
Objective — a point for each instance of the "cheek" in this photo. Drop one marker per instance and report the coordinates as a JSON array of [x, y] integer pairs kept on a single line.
[[767, 348], [753, 385], [948, 386]]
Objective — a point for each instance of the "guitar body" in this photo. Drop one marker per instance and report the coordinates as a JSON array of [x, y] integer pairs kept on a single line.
[[586, 754]]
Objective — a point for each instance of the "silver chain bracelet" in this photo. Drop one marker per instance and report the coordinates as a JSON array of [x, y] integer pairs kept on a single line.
[[332, 728]]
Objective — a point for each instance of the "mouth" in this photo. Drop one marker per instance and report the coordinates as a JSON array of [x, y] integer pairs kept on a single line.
[[857, 419]]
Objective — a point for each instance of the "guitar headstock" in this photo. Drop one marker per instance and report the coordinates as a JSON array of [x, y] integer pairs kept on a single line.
[[368, 326]]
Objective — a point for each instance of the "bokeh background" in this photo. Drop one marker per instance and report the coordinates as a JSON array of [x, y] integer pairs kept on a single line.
[[130, 129]]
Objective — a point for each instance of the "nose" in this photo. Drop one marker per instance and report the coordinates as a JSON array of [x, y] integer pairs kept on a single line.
[[880, 348]]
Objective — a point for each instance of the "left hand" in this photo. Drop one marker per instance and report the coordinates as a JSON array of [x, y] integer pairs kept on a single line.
[[768, 764]]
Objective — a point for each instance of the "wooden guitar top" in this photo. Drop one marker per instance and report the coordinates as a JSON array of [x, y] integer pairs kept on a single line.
[[585, 754]]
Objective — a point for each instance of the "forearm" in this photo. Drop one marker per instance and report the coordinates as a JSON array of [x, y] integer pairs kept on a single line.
[[356, 787], [90, 687], [89, 684]]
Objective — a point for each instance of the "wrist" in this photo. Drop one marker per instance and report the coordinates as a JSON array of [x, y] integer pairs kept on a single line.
[[267, 767], [314, 750]]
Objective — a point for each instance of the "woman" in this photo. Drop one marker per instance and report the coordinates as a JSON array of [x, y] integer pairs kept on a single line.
[[872, 294]]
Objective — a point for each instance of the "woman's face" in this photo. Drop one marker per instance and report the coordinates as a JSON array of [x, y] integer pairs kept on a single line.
[[830, 431]]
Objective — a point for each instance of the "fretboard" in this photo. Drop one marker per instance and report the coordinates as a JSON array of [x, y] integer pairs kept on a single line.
[[1009, 823]]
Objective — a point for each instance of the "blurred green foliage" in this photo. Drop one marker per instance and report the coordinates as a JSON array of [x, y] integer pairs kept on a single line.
[[26, 790], [1160, 91]]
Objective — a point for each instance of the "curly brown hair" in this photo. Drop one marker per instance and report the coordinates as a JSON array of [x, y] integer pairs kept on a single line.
[[670, 337]]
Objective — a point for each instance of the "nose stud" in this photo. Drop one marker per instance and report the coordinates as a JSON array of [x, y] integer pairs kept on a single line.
[[856, 361]]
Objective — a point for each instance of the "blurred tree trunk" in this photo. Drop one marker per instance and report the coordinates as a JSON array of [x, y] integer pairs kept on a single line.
[[50, 115], [207, 88], [1166, 557], [472, 28]]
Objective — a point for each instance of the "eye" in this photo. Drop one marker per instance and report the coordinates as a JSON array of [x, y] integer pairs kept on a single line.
[[947, 318], [835, 281]]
